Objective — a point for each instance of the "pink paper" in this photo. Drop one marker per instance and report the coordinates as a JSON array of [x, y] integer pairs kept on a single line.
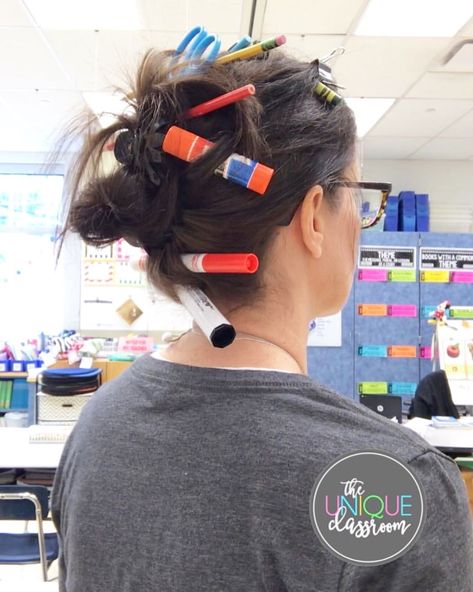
[[373, 275], [462, 277], [402, 310]]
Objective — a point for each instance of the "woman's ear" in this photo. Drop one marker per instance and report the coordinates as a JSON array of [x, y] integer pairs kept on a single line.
[[310, 218]]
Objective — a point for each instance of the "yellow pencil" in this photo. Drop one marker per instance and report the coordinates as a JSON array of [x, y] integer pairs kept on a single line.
[[252, 50]]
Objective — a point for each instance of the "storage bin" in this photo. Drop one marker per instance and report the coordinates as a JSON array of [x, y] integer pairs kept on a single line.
[[63, 409]]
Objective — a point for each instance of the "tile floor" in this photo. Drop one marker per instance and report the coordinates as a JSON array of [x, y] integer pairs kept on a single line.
[[27, 578]]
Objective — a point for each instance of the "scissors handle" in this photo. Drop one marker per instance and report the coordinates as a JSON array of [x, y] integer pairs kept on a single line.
[[195, 43], [187, 39], [210, 40], [194, 49], [241, 44]]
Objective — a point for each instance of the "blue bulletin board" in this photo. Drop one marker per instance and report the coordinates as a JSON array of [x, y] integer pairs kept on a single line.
[[401, 277]]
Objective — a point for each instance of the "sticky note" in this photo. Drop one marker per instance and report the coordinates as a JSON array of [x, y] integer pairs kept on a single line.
[[435, 275], [402, 388], [425, 352], [373, 275], [373, 351], [402, 310], [372, 310], [402, 275], [402, 351], [462, 277], [373, 388]]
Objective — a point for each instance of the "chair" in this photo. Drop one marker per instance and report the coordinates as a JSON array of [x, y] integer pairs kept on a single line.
[[27, 503], [433, 397]]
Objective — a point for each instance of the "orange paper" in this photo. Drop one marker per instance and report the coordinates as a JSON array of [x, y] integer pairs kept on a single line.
[[372, 310], [402, 351]]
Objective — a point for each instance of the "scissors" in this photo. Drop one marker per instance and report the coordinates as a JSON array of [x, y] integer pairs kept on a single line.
[[196, 43], [241, 44]]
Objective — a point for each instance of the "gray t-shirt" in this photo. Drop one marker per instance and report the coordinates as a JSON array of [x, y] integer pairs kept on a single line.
[[179, 478]]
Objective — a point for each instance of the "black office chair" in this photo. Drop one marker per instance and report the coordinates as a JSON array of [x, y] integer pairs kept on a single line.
[[27, 503], [433, 397]]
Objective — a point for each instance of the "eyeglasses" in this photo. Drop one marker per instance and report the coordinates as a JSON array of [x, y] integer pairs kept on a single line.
[[371, 199]]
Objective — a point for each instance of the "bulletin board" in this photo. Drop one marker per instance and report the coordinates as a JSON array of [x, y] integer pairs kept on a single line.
[[332, 365], [386, 339], [116, 297], [386, 306]]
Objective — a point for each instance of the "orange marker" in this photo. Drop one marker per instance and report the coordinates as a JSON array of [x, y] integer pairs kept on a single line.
[[239, 169]]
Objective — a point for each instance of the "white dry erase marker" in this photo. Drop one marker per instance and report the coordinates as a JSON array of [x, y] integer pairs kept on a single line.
[[218, 330]]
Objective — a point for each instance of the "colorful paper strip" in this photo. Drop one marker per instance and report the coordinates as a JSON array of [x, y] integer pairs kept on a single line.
[[461, 313], [373, 388], [373, 351], [402, 310], [372, 310], [462, 277], [425, 352], [435, 276], [402, 351], [402, 275], [426, 310], [402, 388], [373, 275]]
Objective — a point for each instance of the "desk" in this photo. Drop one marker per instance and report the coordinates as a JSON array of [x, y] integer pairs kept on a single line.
[[16, 451], [445, 438]]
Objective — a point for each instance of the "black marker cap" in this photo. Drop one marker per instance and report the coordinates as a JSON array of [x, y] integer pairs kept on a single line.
[[222, 336]]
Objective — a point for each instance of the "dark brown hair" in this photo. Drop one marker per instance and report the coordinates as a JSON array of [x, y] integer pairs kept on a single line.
[[284, 126]]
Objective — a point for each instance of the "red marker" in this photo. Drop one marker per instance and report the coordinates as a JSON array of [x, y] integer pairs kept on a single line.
[[221, 262], [222, 101]]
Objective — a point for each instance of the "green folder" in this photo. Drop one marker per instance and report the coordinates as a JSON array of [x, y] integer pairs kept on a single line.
[[2, 394]]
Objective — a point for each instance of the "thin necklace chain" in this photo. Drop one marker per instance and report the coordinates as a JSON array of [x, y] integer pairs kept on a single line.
[[240, 336]]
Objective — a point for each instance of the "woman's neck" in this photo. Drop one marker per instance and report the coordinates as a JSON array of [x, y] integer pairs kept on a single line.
[[265, 339]]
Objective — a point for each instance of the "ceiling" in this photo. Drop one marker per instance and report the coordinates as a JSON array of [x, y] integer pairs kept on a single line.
[[49, 62]]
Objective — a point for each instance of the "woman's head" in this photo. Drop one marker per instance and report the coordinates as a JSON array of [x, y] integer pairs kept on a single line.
[[171, 207]]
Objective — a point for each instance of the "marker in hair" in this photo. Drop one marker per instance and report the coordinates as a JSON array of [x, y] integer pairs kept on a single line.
[[222, 101], [218, 330], [327, 95], [236, 168], [221, 262], [252, 50]]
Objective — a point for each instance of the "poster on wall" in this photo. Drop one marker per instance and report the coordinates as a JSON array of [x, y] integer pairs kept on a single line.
[[455, 354], [326, 331], [115, 295]]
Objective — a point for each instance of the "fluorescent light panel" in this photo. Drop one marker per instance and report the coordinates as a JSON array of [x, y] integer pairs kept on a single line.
[[368, 112], [122, 15], [414, 18]]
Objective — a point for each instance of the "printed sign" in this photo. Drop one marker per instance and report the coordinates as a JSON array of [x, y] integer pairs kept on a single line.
[[433, 258], [387, 257]]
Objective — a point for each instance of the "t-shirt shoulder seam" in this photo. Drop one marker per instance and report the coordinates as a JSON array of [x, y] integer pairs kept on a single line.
[[439, 455]]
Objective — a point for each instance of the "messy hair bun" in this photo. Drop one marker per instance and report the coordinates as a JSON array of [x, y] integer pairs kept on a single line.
[[170, 207]]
